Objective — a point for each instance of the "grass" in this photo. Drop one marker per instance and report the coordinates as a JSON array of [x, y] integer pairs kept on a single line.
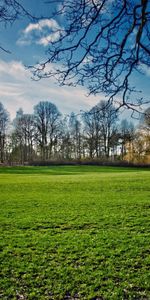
[[75, 233]]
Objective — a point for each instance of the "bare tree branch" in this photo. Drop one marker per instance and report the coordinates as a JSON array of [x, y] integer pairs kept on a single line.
[[101, 45]]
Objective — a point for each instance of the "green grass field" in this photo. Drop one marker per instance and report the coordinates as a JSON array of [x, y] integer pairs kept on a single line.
[[75, 233]]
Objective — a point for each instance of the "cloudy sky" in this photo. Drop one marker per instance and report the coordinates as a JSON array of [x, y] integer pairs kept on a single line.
[[27, 42]]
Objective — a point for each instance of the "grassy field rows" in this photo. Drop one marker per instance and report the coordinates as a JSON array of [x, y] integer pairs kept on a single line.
[[75, 233]]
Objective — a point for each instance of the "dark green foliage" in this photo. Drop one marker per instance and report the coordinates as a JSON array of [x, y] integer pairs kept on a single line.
[[83, 234]]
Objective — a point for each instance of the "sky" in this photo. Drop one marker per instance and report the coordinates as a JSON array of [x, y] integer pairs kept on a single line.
[[27, 42]]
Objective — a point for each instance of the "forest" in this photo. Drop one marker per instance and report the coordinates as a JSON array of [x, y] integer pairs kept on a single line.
[[100, 134]]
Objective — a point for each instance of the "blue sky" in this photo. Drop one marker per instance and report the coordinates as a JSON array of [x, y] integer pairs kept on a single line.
[[27, 42]]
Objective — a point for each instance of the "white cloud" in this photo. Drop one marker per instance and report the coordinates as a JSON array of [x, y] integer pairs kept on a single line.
[[50, 23], [43, 32], [18, 90], [145, 69], [13, 69], [50, 38]]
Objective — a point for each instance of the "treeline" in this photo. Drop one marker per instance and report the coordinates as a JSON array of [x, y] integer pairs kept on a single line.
[[47, 135]]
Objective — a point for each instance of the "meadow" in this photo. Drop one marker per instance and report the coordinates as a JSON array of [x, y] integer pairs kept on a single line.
[[75, 232]]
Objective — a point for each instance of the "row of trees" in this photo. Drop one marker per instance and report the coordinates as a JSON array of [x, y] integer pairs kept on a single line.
[[48, 135]]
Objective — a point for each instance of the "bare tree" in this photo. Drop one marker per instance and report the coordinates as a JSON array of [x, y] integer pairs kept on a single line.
[[47, 119], [65, 139], [92, 132], [127, 135], [101, 44], [4, 120], [100, 129], [108, 117], [24, 134], [75, 135], [144, 131], [146, 118]]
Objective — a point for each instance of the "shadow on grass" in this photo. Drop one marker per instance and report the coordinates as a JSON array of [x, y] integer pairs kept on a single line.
[[67, 170]]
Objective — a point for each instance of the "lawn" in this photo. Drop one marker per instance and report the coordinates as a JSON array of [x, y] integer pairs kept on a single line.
[[75, 233]]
